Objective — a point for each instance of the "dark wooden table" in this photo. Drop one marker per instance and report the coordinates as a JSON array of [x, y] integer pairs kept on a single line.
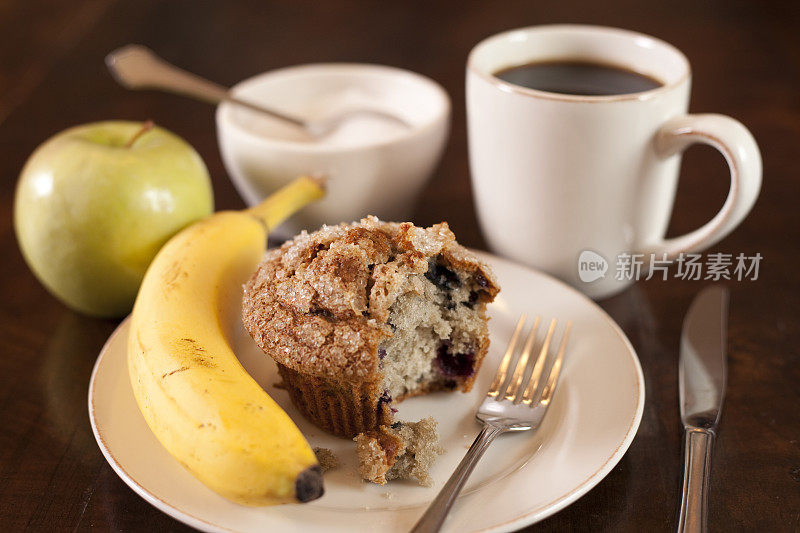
[[746, 62]]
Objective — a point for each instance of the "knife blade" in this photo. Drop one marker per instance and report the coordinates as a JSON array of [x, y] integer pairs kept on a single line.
[[702, 373]]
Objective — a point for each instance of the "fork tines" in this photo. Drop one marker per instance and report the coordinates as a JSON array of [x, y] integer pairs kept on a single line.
[[529, 383]]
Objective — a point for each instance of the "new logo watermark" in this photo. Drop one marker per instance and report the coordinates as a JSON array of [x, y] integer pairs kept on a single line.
[[591, 266], [714, 266]]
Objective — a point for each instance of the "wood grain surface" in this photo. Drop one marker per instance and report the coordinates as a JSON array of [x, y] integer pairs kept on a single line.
[[746, 63]]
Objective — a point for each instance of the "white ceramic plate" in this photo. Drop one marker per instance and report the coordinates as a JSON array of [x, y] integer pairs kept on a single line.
[[523, 477]]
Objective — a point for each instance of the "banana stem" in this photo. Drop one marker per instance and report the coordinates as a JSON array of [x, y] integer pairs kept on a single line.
[[287, 200]]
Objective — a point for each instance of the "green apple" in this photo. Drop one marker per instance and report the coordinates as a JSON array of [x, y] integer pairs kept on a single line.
[[96, 202]]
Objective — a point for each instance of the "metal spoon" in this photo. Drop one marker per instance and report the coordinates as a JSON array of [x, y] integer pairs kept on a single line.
[[137, 67]]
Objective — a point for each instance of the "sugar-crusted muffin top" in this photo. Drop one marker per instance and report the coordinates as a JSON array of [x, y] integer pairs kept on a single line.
[[319, 303]]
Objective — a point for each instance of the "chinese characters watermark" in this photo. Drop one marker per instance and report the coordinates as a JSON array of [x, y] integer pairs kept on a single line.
[[687, 266]]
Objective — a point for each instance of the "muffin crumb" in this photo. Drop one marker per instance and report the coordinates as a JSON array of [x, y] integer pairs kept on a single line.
[[404, 450], [327, 459]]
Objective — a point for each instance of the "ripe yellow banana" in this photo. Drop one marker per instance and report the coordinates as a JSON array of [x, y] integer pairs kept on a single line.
[[193, 392]]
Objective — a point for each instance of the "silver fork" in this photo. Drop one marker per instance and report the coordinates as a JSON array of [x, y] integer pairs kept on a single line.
[[512, 404]]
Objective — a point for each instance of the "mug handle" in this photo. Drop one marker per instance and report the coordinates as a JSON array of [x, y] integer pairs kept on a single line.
[[737, 144]]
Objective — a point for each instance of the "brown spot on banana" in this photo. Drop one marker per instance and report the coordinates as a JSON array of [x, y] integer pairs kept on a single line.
[[172, 277], [197, 354], [181, 369], [139, 341]]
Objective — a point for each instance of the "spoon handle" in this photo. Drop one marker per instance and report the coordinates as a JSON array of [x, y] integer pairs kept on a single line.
[[137, 67]]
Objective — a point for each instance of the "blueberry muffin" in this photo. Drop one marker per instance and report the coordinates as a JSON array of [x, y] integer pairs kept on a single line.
[[358, 316]]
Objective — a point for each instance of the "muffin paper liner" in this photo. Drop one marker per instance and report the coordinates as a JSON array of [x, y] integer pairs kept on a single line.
[[343, 410]]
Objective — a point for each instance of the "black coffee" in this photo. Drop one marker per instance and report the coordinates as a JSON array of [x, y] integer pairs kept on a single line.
[[578, 78]]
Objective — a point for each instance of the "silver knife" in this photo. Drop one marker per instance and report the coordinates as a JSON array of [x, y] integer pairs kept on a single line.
[[701, 381]]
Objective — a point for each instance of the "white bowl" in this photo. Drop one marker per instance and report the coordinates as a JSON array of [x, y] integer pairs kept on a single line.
[[376, 176]]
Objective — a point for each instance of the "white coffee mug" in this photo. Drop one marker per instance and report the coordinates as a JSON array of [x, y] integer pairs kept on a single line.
[[557, 175]]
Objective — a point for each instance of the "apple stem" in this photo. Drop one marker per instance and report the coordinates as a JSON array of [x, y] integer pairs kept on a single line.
[[146, 126]]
